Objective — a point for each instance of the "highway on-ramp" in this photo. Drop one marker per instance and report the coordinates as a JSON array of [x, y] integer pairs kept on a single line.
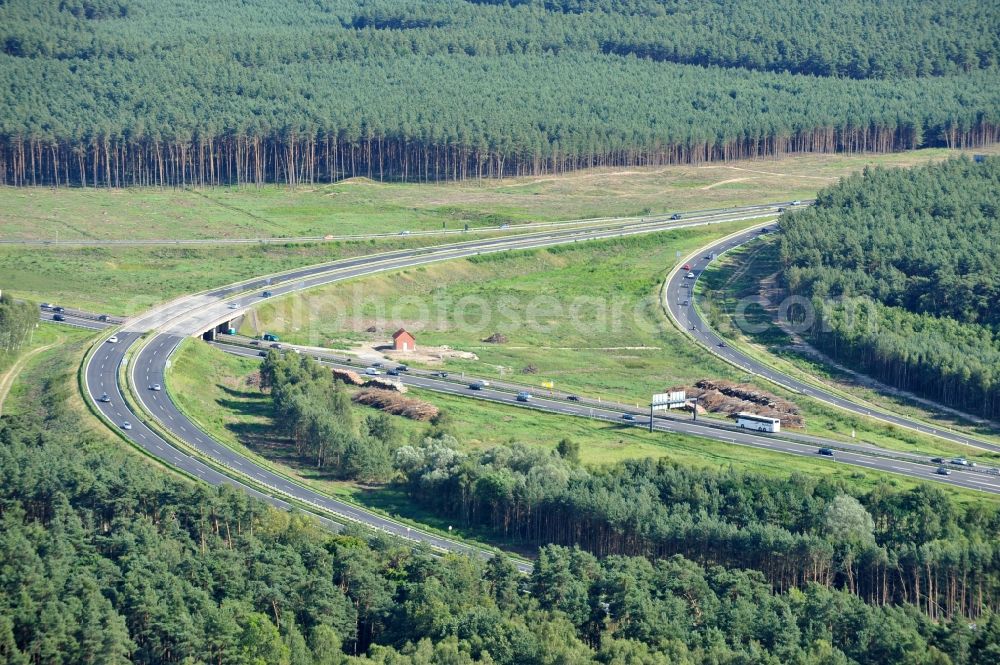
[[679, 299]]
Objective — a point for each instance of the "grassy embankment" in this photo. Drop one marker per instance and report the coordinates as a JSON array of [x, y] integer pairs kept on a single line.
[[236, 413], [739, 274], [586, 317], [47, 340]]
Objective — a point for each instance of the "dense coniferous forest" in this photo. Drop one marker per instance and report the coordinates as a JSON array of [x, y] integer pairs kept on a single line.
[[137, 92], [903, 267], [105, 559], [886, 547]]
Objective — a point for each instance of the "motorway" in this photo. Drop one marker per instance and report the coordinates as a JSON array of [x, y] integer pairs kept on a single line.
[[855, 454], [154, 336], [77, 318], [680, 289]]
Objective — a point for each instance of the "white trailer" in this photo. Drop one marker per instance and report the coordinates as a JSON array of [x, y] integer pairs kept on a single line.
[[757, 422]]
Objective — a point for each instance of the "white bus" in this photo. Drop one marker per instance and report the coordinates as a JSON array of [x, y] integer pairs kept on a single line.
[[759, 423]]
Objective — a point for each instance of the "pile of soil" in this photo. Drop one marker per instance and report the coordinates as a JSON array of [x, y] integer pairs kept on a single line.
[[396, 404], [386, 384], [732, 398], [348, 377], [496, 338]]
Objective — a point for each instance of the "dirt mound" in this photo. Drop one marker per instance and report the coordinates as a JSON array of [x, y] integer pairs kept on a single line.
[[496, 338], [386, 384], [348, 377], [396, 404], [732, 398]]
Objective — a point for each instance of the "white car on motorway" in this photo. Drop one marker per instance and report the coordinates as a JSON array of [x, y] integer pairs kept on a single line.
[[113, 339], [234, 305], [126, 425]]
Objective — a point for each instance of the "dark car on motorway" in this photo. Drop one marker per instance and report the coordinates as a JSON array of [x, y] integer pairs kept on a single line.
[[825, 451], [937, 460], [628, 416], [942, 471], [58, 309], [675, 216], [58, 317], [393, 372], [573, 398], [403, 368], [262, 354]]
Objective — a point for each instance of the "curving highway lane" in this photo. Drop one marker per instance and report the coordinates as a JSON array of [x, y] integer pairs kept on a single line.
[[679, 299]]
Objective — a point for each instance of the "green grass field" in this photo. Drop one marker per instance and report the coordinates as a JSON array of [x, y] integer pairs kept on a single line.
[[585, 317], [234, 412], [363, 206], [129, 280]]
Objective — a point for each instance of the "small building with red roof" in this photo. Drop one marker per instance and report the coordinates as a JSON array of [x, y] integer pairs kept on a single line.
[[403, 341]]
